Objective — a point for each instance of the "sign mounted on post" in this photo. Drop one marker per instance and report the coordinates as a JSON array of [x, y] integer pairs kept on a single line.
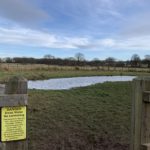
[[13, 123]]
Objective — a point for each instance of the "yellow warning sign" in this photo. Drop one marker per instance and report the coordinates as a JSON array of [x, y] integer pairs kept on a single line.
[[13, 123]]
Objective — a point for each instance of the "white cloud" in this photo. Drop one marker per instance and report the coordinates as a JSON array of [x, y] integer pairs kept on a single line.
[[135, 43], [22, 36], [107, 42], [119, 44], [34, 38]]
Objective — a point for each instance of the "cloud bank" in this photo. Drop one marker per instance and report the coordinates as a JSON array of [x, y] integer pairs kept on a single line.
[[21, 12], [34, 38]]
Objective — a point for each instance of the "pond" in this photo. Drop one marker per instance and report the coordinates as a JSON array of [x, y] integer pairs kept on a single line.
[[68, 83]]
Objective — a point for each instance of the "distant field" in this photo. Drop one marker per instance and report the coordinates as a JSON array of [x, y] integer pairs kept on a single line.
[[90, 118], [35, 71], [24, 67]]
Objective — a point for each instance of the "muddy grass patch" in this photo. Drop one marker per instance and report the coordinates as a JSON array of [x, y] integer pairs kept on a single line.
[[90, 118]]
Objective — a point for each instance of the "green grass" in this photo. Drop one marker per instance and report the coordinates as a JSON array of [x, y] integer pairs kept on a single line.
[[36, 71], [90, 118], [45, 74]]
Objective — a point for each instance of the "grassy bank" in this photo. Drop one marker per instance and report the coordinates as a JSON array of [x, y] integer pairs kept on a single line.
[[90, 118], [46, 74], [36, 72]]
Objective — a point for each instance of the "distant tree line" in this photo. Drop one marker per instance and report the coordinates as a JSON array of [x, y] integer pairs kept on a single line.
[[79, 60]]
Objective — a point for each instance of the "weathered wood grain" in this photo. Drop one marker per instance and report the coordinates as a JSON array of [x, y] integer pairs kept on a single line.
[[15, 95], [140, 114], [13, 100]]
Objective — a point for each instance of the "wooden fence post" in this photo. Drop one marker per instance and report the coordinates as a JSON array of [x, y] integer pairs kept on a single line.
[[140, 137], [13, 115]]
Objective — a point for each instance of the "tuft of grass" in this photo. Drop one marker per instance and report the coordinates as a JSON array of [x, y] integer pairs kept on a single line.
[[90, 118]]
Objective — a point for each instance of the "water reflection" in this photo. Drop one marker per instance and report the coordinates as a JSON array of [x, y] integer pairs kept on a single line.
[[68, 83]]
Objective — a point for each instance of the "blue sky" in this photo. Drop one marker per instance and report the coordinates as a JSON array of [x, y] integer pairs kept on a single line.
[[96, 28]]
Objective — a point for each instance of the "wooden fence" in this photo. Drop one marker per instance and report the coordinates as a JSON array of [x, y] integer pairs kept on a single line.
[[13, 105], [140, 139]]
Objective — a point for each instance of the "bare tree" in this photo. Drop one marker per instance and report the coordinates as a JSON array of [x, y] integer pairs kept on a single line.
[[147, 60], [110, 61], [79, 57], [135, 60], [95, 59], [48, 56], [147, 57], [70, 58]]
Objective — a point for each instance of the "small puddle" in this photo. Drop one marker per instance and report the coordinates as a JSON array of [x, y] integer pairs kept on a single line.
[[68, 83]]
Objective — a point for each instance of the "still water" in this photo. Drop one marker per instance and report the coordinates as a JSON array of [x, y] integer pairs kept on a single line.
[[68, 83]]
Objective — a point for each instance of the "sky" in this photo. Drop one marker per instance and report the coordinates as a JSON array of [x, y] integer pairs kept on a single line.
[[62, 28]]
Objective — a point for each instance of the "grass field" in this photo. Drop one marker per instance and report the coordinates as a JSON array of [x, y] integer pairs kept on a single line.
[[46, 74], [90, 118], [35, 72], [28, 67]]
